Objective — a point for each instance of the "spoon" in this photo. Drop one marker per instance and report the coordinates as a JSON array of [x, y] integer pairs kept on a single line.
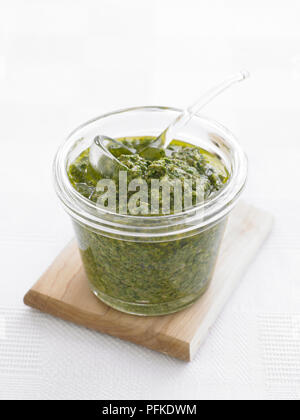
[[157, 148], [101, 158], [161, 143]]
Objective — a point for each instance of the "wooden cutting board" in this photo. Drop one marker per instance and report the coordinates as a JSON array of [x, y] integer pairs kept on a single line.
[[63, 292]]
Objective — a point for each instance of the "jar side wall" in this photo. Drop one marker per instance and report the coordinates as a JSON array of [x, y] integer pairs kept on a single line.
[[152, 278]]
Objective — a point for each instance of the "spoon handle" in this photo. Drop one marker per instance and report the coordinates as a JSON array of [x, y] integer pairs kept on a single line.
[[168, 134]]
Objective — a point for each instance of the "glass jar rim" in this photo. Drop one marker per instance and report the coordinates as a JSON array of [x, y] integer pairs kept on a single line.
[[188, 222]]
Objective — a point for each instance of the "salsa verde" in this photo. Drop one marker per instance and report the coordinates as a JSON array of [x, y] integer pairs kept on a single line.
[[151, 278]]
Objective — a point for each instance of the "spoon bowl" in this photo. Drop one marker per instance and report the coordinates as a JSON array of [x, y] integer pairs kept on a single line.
[[101, 157]]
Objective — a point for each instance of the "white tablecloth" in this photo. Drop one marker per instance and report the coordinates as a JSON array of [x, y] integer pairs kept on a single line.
[[54, 75]]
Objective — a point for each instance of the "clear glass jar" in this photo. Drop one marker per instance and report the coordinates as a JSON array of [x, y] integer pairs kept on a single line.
[[150, 265]]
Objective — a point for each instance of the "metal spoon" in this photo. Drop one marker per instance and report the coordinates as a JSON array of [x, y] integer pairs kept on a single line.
[[156, 149]]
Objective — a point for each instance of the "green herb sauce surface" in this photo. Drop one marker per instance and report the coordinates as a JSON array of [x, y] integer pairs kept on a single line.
[[181, 162]]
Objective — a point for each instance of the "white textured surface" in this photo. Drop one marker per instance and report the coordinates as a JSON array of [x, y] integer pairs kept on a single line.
[[54, 75], [246, 356]]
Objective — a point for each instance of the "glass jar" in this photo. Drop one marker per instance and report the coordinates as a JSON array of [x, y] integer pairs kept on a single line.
[[150, 265]]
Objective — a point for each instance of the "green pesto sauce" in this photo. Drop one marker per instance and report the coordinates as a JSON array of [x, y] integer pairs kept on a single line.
[[180, 162], [151, 278]]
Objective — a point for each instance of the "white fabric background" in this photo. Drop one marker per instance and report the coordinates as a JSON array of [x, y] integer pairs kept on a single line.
[[63, 62]]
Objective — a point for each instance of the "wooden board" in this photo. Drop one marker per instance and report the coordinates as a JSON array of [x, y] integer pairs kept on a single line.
[[63, 291]]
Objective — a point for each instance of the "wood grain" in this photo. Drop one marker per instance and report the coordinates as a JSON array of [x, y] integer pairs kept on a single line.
[[63, 292]]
